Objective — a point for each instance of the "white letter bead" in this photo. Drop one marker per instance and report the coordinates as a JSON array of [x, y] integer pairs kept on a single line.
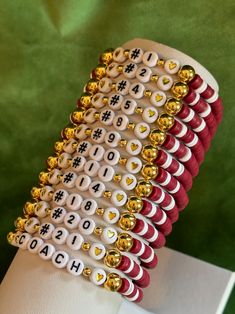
[[136, 55], [91, 168], [96, 152], [34, 244], [150, 58], [172, 66], [89, 115], [46, 193], [77, 163], [115, 101], [107, 116], [137, 90], [83, 148], [128, 106], [128, 182], [57, 214], [23, 240], [129, 70], [150, 114], [82, 183], [46, 230], [120, 122], [158, 98], [105, 85], [97, 251], [86, 226], [80, 133], [112, 70], [69, 146], [112, 138], [60, 235], [118, 55], [71, 220], [46, 251], [75, 266], [109, 235], [98, 276], [142, 130], [74, 241], [30, 225], [133, 147], [96, 188], [74, 201], [134, 165], [89, 206], [69, 179], [164, 82], [63, 160], [97, 100], [118, 198], [111, 156], [98, 135], [122, 87], [60, 259], [106, 173], [41, 209], [60, 197], [111, 215], [54, 176], [143, 74]]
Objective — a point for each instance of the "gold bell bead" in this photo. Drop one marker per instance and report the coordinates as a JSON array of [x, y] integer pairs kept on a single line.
[[180, 89], [113, 282], [143, 188], [117, 177], [127, 221], [87, 271], [107, 56], [99, 72], [77, 116], [35, 193], [100, 211], [19, 223], [58, 146], [157, 137], [10, 237], [68, 133], [124, 242], [186, 73], [173, 106], [43, 177], [149, 171], [85, 100], [52, 162], [98, 231], [112, 258], [134, 204], [29, 208], [86, 246], [92, 86], [165, 122], [149, 152]]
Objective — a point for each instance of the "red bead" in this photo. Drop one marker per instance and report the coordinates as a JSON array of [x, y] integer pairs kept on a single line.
[[166, 227], [125, 286], [196, 82], [159, 242], [190, 97], [192, 166], [173, 214], [140, 296], [145, 279], [125, 263], [208, 92]]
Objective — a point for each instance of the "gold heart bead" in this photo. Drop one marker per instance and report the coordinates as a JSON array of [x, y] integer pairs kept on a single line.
[[129, 180], [165, 80], [134, 165], [99, 277], [172, 65], [112, 215], [119, 197], [134, 146], [142, 129], [151, 113], [97, 251], [110, 233], [158, 97]]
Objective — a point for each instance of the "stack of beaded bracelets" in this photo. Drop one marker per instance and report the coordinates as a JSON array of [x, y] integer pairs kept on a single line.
[[121, 172]]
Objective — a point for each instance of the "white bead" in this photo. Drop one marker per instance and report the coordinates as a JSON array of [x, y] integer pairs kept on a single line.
[[98, 135], [150, 58], [74, 201], [118, 198], [60, 259], [16, 238], [158, 98], [82, 183], [71, 220], [89, 115], [129, 70], [133, 165], [115, 101], [136, 90], [60, 235], [150, 114], [143, 74], [80, 132], [109, 235], [23, 240], [97, 100], [112, 138], [57, 214], [97, 251], [107, 116], [69, 179], [118, 55], [75, 266], [136, 55], [133, 147], [122, 87], [97, 152], [70, 146], [91, 168], [128, 182], [46, 193], [164, 82], [98, 276], [74, 241], [83, 148], [34, 244], [41, 209], [111, 156], [63, 160], [111, 215], [86, 226], [106, 173], [31, 224], [54, 176], [141, 130], [105, 85], [120, 122], [60, 197], [89, 206], [128, 106], [46, 230], [96, 188], [172, 66], [46, 251], [112, 70]]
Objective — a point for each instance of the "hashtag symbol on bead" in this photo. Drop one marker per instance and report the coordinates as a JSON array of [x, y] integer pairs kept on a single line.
[[82, 147], [114, 100], [135, 53], [121, 86], [44, 229], [68, 177], [57, 213], [97, 134], [59, 196], [106, 115], [76, 162], [129, 68]]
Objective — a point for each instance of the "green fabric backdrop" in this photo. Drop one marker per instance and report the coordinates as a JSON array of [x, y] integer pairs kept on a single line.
[[47, 49]]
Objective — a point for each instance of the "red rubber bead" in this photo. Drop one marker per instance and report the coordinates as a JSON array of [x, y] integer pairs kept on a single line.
[[196, 82], [192, 166], [190, 97], [140, 297], [151, 264], [200, 106], [159, 242], [125, 263], [144, 281], [173, 214], [125, 285], [208, 92]]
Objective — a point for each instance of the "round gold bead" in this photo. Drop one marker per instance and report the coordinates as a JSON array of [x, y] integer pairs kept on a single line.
[[77, 116], [173, 106], [165, 122], [29, 208], [149, 152], [10, 237], [157, 137], [134, 204], [186, 73], [52, 162], [19, 223], [86, 246], [85, 100], [99, 72], [122, 142], [105, 100], [43, 177], [58, 146], [143, 188], [120, 68], [126, 53], [99, 211], [113, 282], [97, 115], [68, 133], [124, 242], [122, 161], [88, 131], [87, 271], [131, 126], [180, 89], [107, 194], [107, 56], [112, 258], [149, 171], [127, 221], [92, 86], [98, 231], [117, 177], [154, 78], [113, 86], [160, 62], [139, 110], [147, 93], [35, 193]]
